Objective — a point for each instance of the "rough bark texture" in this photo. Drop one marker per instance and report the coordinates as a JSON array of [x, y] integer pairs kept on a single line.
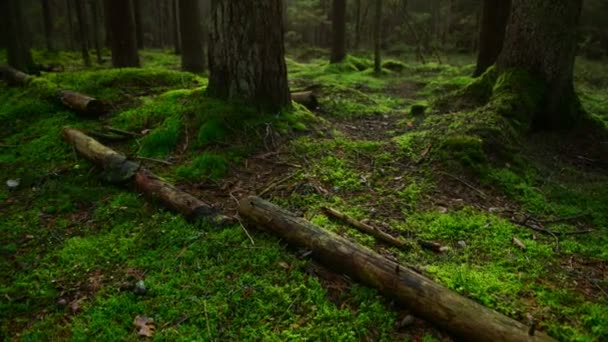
[[83, 104], [247, 53], [83, 32], [19, 55], [96, 31], [460, 316], [139, 26], [177, 39], [338, 24], [494, 19], [193, 53], [541, 38], [122, 26], [118, 169], [377, 37], [47, 17]]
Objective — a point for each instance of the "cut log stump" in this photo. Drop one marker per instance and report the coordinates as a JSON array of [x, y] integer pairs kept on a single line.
[[456, 314], [118, 169], [13, 76], [82, 104], [306, 98]]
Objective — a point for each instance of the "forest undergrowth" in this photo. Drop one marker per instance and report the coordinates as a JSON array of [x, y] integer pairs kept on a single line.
[[523, 229]]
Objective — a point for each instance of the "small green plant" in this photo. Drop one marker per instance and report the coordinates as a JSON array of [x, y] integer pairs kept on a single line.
[[208, 165]]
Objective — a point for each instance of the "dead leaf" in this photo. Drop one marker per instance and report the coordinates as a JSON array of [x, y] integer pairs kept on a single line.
[[145, 326], [517, 242], [284, 265]]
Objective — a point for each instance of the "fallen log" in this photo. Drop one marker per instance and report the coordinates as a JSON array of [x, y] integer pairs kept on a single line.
[[13, 76], [305, 98], [82, 104], [366, 228], [461, 316], [118, 169]]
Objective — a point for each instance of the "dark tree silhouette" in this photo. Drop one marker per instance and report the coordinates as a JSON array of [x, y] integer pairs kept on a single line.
[[191, 33], [49, 30], [122, 28], [494, 19], [338, 19], [541, 38], [94, 4], [139, 25], [247, 53], [377, 37], [83, 34], [19, 55]]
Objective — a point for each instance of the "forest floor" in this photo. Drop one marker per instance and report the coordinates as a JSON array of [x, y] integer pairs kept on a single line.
[[77, 253]]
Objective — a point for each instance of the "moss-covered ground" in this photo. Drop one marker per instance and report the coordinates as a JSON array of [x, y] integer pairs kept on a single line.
[[77, 253]]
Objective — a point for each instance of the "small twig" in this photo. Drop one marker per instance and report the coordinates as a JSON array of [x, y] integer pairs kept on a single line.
[[273, 185], [245, 230], [207, 319], [109, 137], [547, 231], [121, 132], [155, 160], [469, 185], [563, 219]]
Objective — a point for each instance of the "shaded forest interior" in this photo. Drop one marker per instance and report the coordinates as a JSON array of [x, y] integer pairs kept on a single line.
[[357, 170]]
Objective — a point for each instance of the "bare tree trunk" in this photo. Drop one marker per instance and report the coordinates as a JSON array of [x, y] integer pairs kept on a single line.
[[357, 24], [247, 54], [96, 30], [124, 42], [176, 28], [139, 26], [492, 33], [82, 31], [377, 38], [338, 34], [49, 29], [541, 38], [71, 33], [193, 53], [19, 55]]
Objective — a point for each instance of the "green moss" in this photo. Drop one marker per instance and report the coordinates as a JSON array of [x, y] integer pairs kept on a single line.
[[412, 143], [336, 172], [394, 65], [208, 165], [466, 149], [162, 140]]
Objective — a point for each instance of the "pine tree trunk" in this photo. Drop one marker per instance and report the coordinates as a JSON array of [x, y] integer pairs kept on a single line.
[[124, 41], [541, 38], [492, 33], [247, 53], [338, 23], [96, 31], [357, 24], [191, 32], [377, 38], [48, 25], [177, 40], [19, 55], [69, 19], [139, 28], [82, 31]]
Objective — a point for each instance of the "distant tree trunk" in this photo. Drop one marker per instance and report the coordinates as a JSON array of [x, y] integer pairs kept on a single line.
[[107, 24], [82, 31], [96, 30], [357, 24], [71, 31], [48, 25], [139, 26], [19, 55], [176, 27], [124, 41], [338, 22], [247, 53], [541, 38], [193, 54], [492, 33], [377, 38]]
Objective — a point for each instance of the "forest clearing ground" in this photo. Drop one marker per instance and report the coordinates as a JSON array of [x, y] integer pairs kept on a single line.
[[76, 247]]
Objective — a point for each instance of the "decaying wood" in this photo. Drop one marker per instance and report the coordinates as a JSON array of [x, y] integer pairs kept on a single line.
[[367, 229], [13, 76], [118, 169], [305, 98], [460, 316], [82, 104]]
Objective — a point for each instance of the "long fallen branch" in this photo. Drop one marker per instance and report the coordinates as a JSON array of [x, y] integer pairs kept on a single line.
[[460, 316], [118, 169]]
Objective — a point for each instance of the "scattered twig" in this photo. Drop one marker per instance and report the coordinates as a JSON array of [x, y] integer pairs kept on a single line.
[[563, 219], [7, 146], [539, 228], [108, 137], [245, 230], [121, 132], [433, 246], [469, 185], [155, 160], [207, 319], [275, 184], [366, 228], [517, 242]]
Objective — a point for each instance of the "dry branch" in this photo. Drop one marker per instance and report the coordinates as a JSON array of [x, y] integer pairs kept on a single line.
[[13, 76], [460, 316], [118, 169]]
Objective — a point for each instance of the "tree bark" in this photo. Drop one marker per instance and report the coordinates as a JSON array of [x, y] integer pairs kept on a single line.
[[96, 31], [83, 104], [357, 24], [338, 22], [494, 19], [460, 316], [377, 38], [19, 55], [247, 54], [49, 30], [122, 26], [176, 28], [541, 38], [139, 26], [193, 53], [82, 31], [118, 169]]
